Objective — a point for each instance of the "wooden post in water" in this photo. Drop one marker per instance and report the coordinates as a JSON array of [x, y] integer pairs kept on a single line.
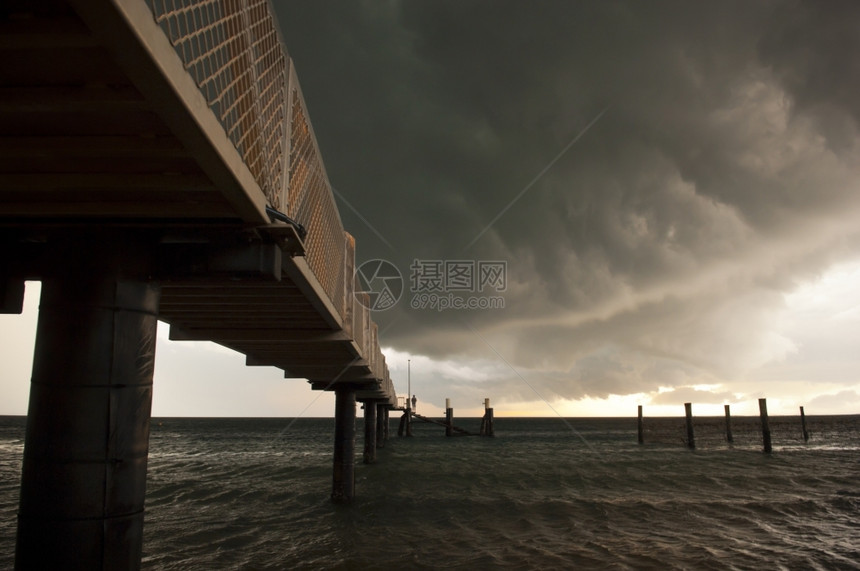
[[729, 438], [641, 430], [803, 425], [765, 426], [449, 418], [343, 481], [691, 440], [369, 432], [487, 421]]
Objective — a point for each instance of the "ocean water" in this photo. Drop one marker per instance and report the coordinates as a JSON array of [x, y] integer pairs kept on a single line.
[[543, 494]]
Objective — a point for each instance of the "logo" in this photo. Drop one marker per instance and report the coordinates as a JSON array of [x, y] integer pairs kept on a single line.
[[382, 282]]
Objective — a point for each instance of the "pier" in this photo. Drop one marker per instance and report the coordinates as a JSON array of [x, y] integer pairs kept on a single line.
[[157, 162]]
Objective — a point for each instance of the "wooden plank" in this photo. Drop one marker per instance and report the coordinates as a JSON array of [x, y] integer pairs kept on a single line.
[[26, 31], [132, 122], [168, 208], [248, 336], [71, 99], [155, 183], [299, 272], [95, 147], [72, 66]]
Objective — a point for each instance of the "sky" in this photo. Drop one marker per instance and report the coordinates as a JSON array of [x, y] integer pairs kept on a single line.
[[671, 192]]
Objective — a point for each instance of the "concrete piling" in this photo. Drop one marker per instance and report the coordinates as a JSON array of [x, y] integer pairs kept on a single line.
[[729, 437], [765, 426], [640, 428], [691, 439], [83, 478], [343, 480]]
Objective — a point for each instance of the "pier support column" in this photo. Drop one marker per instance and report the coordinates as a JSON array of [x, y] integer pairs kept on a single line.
[[380, 425], [640, 428], [343, 480], [83, 478], [369, 432]]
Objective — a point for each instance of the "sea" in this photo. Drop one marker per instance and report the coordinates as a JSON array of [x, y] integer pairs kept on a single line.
[[543, 493]]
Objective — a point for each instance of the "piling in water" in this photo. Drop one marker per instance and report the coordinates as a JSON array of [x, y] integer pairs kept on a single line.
[[343, 481], [765, 426], [729, 438], [803, 425], [691, 440], [641, 428], [408, 421], [487, 420], [449, 418], [84, 461]]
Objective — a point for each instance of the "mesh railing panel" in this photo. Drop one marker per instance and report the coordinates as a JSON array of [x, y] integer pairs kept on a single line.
[[232, 50], [311, 202]]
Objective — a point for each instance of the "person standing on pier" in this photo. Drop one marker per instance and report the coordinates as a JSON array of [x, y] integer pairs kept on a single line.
[[414, 402]]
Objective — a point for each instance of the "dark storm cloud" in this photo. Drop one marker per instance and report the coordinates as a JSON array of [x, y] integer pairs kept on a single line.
[[656, 250]]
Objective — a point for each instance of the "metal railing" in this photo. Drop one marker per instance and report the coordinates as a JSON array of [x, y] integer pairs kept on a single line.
[[233, 51]]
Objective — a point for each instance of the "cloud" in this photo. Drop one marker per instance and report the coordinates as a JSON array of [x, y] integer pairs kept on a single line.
[[683, 395], [658, 250], [843, 401]]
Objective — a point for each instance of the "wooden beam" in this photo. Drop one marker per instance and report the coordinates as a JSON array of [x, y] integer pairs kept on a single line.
[[97, 147], [28, 32], [301, 275], [65, 99], [275, 335], [112, 182]]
